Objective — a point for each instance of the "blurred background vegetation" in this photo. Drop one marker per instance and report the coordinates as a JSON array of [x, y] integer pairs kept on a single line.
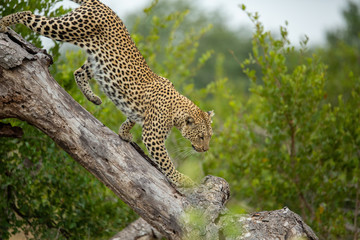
[[286, 129]]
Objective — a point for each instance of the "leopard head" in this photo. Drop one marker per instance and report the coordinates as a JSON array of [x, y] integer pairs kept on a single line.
[[197, 128]]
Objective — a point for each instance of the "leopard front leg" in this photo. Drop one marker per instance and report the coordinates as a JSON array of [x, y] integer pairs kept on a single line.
[[154, 140], [82, 77], [124, 130]]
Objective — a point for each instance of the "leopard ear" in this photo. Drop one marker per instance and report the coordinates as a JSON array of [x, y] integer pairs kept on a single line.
[[189, 121], [211, 113]]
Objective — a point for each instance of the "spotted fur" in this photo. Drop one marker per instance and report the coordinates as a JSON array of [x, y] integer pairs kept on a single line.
[[121, 71]]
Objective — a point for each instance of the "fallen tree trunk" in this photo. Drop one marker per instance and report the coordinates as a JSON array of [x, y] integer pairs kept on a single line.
[[29, 93]]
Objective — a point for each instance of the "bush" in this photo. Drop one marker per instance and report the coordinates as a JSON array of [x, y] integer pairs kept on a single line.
[[286, 145]]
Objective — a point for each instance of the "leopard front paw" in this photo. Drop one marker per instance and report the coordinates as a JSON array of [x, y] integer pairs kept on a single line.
[[126, 136], [183, 181], [3, 27], [187, 182]]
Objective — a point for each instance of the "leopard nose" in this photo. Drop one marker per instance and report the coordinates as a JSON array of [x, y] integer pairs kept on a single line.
[[200, 149]]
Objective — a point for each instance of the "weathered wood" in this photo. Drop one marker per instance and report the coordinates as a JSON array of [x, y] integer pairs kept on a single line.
[[29, 93], [280, 224], [139, 229]]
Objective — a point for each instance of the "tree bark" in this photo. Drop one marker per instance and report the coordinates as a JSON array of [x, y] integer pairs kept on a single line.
[[29, 93], [139, 229]]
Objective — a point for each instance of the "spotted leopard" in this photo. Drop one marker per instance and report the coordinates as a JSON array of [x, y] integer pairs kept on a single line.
[[124, 76]]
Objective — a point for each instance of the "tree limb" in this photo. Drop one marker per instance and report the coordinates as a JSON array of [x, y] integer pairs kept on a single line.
[[29, 93], [139, 229]]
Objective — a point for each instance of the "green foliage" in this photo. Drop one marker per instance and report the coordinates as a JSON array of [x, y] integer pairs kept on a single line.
[[208, 33], [47, 194], [343, 44], [170, 50], [197, 222], [286, 145]]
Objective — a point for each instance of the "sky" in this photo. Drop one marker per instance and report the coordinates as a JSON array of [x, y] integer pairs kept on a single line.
[[305, 17]]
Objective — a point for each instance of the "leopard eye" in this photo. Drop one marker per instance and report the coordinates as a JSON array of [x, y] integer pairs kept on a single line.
[[189, 121], [201, 137]]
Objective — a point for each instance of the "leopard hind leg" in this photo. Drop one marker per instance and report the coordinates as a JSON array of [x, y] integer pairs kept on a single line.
[[82, 77]]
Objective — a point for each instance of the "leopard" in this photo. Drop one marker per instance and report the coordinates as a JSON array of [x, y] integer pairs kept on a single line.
[[122, 73]]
